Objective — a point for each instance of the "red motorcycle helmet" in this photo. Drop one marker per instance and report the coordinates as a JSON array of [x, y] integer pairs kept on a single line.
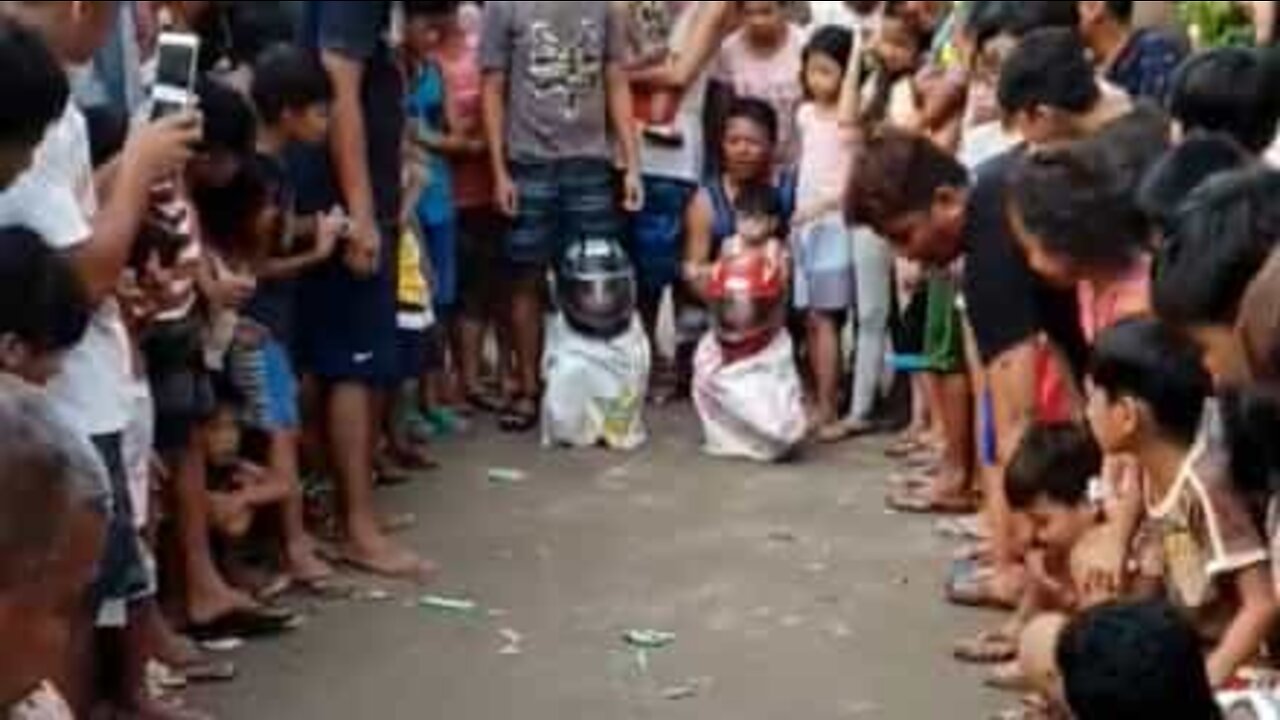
[[748, 298]]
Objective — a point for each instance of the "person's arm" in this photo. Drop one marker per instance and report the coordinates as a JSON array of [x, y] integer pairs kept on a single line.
[[851, 89], [699, 219], [1249, 629], [451, 141], [622, 111], [347, 146], [711, 26], [326, 230], [1264, 22], [495, 58], [152, 152]]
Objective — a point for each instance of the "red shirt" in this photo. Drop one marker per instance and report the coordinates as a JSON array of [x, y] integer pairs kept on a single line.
[[459, 62]]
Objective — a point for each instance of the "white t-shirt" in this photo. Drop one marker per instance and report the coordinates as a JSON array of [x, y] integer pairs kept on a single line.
[[837, 12], [684, 162], [56, 199]]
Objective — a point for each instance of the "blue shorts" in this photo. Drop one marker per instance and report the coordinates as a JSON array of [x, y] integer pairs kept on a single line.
[[657, 233], [264, 375], [560, 202]]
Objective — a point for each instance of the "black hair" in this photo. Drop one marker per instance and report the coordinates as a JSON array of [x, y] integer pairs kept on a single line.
[[1018, 19], [832, 41], [228, 214], [1055, 462], [1050, 67], [1183, 169], [1148, 361], [757, 200], [430, 8], [753, 110], [36, 88], [897, 172], [1222, 236], [287, 77], [1232, 90], [1135, 661], [44, 302], [1121, 10], [1081, 205], [228, 119], [252, 27]]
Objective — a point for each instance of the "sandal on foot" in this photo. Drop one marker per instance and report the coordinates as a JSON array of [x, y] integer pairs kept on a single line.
[[926, 501], [520, 417], [245, 624], [1008, 677], [978, 591], [986, 648]]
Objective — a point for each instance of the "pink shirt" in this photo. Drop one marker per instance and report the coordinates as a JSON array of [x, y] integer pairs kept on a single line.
[[774, 78], [825, 156], [1103, 307], [459, 62]]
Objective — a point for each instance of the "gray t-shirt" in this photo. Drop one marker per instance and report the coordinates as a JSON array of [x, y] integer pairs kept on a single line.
[[554, 55]]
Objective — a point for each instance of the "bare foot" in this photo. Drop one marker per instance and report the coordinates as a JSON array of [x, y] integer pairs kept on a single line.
[[205, 608], [304, 564], [151, 709], [386, 559]]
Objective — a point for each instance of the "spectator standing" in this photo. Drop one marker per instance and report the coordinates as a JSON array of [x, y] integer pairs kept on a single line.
[[1139, 60]]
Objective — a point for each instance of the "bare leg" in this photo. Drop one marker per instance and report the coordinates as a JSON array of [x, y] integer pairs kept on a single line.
[[824, 365], [352, 418], [954, 410], [301, 551], [208, 595]]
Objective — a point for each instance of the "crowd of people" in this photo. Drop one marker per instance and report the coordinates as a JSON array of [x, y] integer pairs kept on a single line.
[[1035, 242]]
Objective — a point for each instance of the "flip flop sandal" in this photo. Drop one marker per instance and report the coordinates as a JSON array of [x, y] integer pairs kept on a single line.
[[330, 589], [516, 421], [423, 573], [245, 625], [1008, 677], [988, 648], [913, 502], [902, 448], [274, 589], [209, 672], [976, 592]]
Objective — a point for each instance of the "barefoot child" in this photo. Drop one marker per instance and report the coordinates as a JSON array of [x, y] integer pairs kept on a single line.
[[1146, 397], [598, 358]]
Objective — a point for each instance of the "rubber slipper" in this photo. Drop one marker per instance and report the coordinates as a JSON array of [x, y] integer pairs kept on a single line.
[[209, 672], [245, 625], [987, 648], [915, 502], [977, 593]]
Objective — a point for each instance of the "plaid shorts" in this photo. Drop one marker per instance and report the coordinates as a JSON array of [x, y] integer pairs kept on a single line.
[[559, 202]]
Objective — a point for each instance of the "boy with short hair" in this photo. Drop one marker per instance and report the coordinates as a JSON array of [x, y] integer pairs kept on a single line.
[[43, 308], [32, 74], [1147, 395], [556, 98], [52, 498], [1229, 90], [1139, 60]]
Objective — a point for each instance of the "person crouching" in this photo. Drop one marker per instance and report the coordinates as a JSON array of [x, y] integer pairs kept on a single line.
[[746, 385], [598, 358]]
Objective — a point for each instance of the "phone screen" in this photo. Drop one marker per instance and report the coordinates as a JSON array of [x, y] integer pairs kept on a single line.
[[175, 65]]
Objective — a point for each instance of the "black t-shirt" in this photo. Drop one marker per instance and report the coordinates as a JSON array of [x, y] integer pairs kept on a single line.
[[272, 304], [1008, 304]]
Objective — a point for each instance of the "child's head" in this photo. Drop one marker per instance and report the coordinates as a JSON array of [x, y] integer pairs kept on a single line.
[[1183, 169], [1222, 236], [749, 139], [1073, 211], [764, 23], [757, 214], [1230, 90], [428, 23], [291, 92], [1046, 81], [74, 31], [1048, 480], [32, 74], [243, 220], [51, 536], [826, 58], [912, 193], [899, 44], [1135, 661], [44, 310], [1146, 384], [222, 432], [230, 133]]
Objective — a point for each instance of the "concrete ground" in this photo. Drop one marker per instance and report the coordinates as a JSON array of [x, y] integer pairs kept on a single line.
[[791, 592]]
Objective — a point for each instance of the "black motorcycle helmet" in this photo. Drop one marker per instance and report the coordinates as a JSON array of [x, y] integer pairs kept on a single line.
[[596, 287]]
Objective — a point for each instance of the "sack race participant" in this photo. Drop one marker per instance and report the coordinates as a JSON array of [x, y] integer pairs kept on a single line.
[[746, 385], [597, 359]]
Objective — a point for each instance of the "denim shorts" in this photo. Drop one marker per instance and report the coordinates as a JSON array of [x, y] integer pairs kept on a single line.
[[264, 375], [560, 201], [657, 233], [123, 573]]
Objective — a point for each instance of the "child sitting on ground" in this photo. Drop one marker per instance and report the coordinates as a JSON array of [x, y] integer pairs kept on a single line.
[[746, 384], [597, 360], [1147, 394]]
